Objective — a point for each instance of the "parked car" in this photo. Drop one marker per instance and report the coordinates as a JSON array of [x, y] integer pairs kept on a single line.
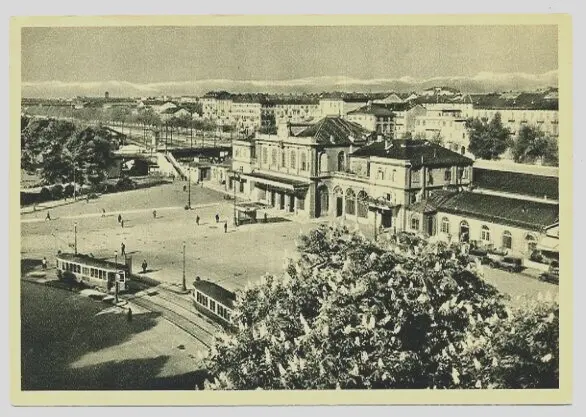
[[508, 263], [552, 275], [479, 253]]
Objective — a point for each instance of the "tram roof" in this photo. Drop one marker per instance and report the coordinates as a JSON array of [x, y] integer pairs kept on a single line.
[[216, 292], [91, 261]]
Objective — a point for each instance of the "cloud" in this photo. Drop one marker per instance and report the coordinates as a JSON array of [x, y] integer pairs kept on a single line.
[[481, 82]]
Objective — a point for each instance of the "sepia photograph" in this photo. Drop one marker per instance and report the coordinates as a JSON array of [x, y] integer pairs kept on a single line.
[[225, 205]]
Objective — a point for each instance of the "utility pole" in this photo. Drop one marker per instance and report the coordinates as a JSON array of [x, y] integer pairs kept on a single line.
[[183, 286], [236, 177], [74, 184], [75, 238]]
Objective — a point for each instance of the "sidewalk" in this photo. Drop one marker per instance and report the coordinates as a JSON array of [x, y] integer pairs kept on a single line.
[[49, 205]]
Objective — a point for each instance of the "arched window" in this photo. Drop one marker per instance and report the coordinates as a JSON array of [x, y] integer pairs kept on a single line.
[[350, 202], [323, 162], [341, 161], [485, 233], [303, 162], [531, 242], [415, 222], [507, 240], [362, 201], [274, 157], [394, 175], [445, 226], [293, 160]]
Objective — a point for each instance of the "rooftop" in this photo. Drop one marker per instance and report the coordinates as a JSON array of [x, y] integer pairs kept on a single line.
[[503, 210], [336, 131], [418, 152], [374, 109], [517, 183], [216, 292]]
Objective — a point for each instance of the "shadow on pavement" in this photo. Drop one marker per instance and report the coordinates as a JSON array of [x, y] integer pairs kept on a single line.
[[58, 328], [28, 265]]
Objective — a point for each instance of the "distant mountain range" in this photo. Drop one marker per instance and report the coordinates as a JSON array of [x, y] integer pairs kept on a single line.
[[483, 82]]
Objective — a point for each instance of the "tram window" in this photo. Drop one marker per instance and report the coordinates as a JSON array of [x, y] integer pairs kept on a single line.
[[92, 272], [213, 305]]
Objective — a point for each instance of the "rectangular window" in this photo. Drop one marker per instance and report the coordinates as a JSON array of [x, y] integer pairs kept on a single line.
[[283, 158], [414, 223], [415, 176], [448, 175], [465, 173], [213, 305], [380, 175], [445, 227]]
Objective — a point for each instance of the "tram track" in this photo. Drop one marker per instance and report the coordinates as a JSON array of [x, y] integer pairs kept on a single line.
[[186, 324]]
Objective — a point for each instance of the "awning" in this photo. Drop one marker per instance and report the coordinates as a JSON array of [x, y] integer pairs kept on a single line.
[[549, 244], [285, 184]]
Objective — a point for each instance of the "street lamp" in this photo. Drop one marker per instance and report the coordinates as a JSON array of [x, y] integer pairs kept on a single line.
[[75, 238], [116, 276], [189, 187], [236, 177], [183, 286]]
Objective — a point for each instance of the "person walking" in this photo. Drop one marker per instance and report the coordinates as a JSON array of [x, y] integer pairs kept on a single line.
[[266, 217], [144, 266], [122, 223], [129, 315], [44, 263], [122, 249], [217, 218], [154, 214], [48, 216], [197, 220], [119, 218], [103, 212], [226, 227]]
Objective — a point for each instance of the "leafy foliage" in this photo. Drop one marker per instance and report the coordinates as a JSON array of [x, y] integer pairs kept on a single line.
[[488, 140], [531, 144], [355, 314], [63, 152]]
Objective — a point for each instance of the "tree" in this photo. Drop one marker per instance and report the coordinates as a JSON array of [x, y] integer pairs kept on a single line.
[[437, 139], [531, 145], [488, 140], [355, 314]]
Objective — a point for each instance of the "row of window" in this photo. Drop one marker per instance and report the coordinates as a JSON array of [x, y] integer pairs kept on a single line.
[[87, 271], [216, 308], [292, 158]]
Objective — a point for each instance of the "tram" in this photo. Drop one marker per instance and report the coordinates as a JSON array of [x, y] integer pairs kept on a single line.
[[94, 272], [214, 301]]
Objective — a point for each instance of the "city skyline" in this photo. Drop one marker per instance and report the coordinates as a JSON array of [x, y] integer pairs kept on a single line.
[[192, 60]]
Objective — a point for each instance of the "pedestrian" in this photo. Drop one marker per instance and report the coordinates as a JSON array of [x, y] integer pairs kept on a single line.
[[266, 217], [119, 218], [87, 198], [197, 220], [144, 266], [226, 227], [129, 314], [103, 212], [122, 223], [184, 188], [217, 218], [154, 214], [48, 216], [122, 249], [44, 263]]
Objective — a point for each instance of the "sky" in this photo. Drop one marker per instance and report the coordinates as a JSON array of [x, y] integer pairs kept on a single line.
[[186, 59]]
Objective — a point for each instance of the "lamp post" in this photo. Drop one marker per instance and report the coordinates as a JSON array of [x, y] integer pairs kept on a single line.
[[189, 188], [183, 286], [236, 177], [375, 228], [75, 238], [116, 277]]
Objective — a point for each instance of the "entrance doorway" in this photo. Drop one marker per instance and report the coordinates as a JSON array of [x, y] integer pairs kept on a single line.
[[282, 201], [272, 198], [322, 202], [464, 232], [431, 225], [291, 203], [339, 206], [386, 218]]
